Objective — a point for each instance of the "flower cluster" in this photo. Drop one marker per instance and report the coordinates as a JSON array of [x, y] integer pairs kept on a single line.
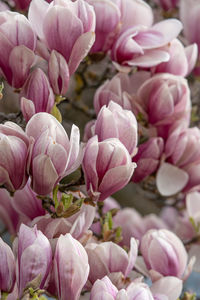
[[106, 97]]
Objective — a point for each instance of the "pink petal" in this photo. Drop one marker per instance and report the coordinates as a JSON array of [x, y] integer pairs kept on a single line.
[[27, 108], [21, 60], [170, 179], [36, 15], [44, 175], [80, 49]]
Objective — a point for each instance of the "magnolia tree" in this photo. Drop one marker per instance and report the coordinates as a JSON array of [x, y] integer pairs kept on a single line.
[[129, 68]]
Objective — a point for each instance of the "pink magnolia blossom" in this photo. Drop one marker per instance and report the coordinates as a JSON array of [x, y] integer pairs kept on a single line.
[[115, 122], [181, 155], [105, 289], [52, 155], [36, 95], [13, 156], [108, 257], [71, 267], [7, 268], [140, 45], [107, 167], [164, 99], [18, 42], [34, 257], [164, 253], [51, 20]]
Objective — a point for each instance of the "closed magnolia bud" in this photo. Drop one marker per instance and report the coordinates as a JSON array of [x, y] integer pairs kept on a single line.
[[107, 167], [13, 156], [71, 267], [108, 257], [164, 246], [34, 257], [58, 73], [7, 268], [52, 154], [36, 95], [115, 122]]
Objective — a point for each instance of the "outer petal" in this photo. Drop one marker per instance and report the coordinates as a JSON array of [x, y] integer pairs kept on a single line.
[[191, 53], [21, 59], [32, 264], [58, 73], [74, 147], [141, 11], [80, 49], [89, 163], [170, 179], [174, 287], [27, 108], [7, 268], [57, 37], [170, 29], [115, 179], [44, 175], [150, 58], [70, 272], [36, 15]]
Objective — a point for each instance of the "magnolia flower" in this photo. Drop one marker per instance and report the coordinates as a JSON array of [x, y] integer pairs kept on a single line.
[[34, 257], [52, 155], [51, 20], [71, 267], [107, 167], [164, 253]]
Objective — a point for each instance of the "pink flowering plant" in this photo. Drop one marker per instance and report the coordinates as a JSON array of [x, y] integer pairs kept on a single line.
[[99, 111]]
